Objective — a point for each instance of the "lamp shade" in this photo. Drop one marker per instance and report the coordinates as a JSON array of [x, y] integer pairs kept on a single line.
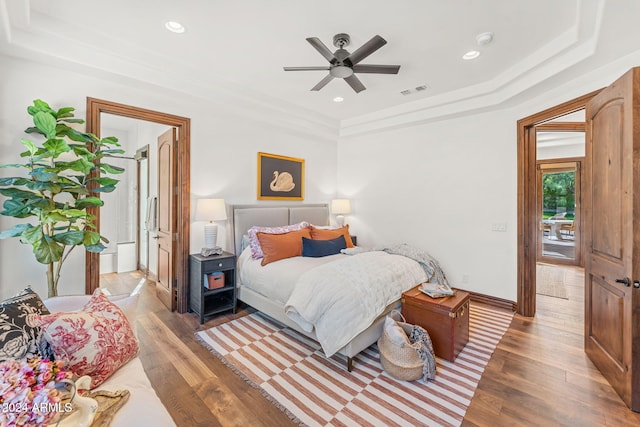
[[340, 206], [210, 210]]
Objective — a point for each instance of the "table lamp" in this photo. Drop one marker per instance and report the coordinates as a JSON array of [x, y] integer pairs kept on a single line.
[[340, 207], [210, 210]]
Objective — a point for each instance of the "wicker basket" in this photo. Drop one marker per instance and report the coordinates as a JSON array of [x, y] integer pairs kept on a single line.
[[400, 361]]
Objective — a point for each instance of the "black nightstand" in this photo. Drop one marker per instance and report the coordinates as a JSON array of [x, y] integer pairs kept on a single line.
[[203, 301]]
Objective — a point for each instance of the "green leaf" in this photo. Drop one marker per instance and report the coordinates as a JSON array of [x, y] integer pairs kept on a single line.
[[70, 237], [74, 135], [111, 168], [13, 165], [80, 165], [72, 213], [105, 189], [44, 175], [48, 251], [33, 129], [65, 112], [18, 194], [14, 180], [91, 238], [43, 106], [33, 235], [30, 146], [113, 151], [52, 187], [16, 209], [46, 123], [89, 201], [56, 147], [109, 140], [95, 248], [81, 150], [15, 231], [105, 180], [73, 120], [55, 216]]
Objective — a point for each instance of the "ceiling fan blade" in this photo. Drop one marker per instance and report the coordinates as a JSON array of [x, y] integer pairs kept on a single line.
[[378, 69], [322, 48], [367, 49], [355, 83], [322, 83], [320, 68]]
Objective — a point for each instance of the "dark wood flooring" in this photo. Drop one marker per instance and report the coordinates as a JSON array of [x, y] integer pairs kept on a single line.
[[538, 375]]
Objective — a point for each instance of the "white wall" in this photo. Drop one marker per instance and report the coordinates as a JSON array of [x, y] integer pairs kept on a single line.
[[223, 151], [441, 186]]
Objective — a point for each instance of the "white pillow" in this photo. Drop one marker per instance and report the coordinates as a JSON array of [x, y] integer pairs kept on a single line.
[[125, 302], [395, 332]]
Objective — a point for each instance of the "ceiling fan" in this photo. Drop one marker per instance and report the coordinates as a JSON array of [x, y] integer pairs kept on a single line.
[[343, 64]]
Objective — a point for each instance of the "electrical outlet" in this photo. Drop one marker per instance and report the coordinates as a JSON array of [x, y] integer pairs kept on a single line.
[[499, 226], [465, 278]]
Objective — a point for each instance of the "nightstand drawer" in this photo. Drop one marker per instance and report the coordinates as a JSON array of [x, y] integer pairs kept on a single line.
[[219, 264]]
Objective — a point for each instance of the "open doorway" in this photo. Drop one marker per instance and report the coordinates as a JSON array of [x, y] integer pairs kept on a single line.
[[179, 298], [129, 214], [530, 230]]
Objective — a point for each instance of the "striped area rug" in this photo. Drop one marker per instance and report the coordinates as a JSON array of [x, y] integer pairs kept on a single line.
[[293, 372]]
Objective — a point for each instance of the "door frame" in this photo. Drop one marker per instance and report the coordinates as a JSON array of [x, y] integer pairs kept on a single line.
[[183, 184], [527, 198], [565, 163]]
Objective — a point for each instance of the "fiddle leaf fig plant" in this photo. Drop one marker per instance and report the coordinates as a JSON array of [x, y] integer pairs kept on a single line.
[[55, 185]]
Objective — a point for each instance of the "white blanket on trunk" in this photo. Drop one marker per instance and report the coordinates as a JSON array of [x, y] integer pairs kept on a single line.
[[343, 298]]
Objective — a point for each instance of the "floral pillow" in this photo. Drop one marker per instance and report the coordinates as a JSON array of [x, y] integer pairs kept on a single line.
[[256, 250], [20, 337], [95, 341]]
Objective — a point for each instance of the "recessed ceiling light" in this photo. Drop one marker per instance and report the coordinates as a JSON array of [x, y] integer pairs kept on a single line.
[[174, 27], [338, 99], [472, 54]]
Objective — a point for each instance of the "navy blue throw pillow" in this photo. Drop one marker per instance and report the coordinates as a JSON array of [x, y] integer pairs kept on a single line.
[[320, 248]]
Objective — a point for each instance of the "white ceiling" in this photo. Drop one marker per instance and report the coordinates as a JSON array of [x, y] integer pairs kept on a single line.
[[235, 50]]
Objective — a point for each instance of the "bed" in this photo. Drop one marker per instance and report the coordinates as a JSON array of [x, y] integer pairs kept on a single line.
[[251, 281]]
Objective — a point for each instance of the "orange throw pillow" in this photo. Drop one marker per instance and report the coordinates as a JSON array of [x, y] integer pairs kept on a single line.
[[280, 246], [323, 234]]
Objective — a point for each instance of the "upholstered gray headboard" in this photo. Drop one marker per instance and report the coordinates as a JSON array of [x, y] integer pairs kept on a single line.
[[244, 217]]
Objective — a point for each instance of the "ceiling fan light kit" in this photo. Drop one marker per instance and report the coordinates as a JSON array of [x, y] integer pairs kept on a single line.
[[343, 64]]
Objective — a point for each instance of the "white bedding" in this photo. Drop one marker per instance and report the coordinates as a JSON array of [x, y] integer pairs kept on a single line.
[[335, 297], [338, 300], [277, 279]]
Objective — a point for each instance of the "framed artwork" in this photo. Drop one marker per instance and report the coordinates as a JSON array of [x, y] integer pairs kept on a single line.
[[280, 177]]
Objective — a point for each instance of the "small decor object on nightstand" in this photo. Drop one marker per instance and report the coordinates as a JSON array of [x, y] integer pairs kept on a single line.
[[211, 210], [340, 208]]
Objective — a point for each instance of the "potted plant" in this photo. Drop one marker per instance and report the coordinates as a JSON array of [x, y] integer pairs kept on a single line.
[[62, 179]]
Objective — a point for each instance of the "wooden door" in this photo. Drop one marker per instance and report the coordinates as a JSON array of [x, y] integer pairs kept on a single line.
[[612, 209], [165, 285]]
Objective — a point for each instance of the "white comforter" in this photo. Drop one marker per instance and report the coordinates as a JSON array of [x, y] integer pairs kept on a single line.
[[342, 298]]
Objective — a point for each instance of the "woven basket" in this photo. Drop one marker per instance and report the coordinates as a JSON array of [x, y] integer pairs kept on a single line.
[[400, 361]]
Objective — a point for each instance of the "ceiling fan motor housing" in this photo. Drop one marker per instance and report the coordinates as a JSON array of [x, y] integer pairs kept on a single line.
[[341, 40]]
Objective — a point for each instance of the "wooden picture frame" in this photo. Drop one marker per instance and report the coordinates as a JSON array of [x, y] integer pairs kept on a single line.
[[280, 177]]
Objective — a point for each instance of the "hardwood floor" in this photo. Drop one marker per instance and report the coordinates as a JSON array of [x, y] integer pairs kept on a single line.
[[538, 375]]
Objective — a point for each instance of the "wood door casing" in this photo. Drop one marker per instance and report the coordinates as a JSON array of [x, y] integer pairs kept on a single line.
[[97, 107], [528, 223], [165, 289], [612, 308], [563, 164]]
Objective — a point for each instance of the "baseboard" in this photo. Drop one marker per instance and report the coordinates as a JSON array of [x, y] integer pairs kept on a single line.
[[151, 277], [494, 301]]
